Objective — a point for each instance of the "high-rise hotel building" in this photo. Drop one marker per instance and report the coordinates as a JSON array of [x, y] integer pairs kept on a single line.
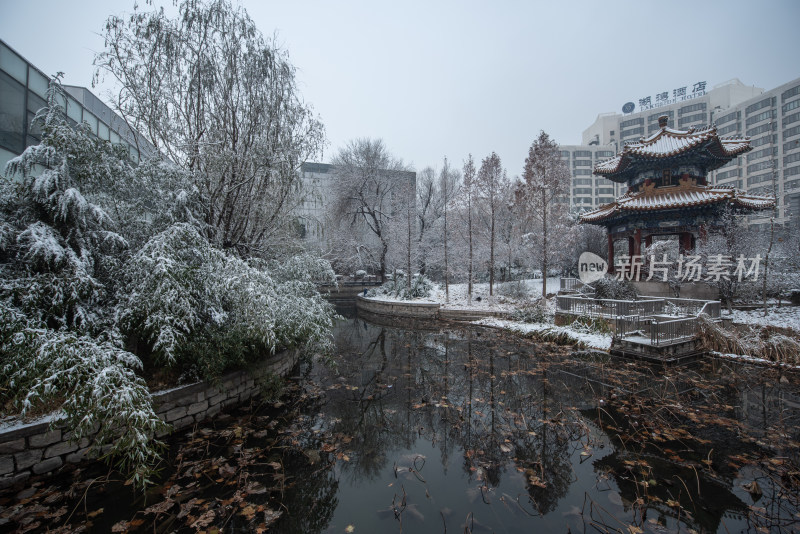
[[771, 119]]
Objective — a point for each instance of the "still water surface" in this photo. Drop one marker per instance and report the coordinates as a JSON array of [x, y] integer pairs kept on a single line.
[[425, 427], [459, 429]]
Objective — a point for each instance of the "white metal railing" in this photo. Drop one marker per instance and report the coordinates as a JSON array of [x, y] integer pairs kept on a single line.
[[666, 320]]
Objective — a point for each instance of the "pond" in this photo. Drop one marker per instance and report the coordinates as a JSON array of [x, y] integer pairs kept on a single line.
[[450, 428]]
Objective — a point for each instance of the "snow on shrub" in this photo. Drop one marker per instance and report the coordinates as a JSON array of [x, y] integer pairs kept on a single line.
[[398, 287], [93, 382], [206, 311]]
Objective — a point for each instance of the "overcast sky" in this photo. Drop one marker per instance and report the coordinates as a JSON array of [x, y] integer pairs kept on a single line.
[[435, 78]]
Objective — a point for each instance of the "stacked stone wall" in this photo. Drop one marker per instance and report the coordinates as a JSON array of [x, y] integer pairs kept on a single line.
[[43, 447]]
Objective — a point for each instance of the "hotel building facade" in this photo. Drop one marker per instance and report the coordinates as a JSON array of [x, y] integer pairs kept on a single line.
[[771, 119]]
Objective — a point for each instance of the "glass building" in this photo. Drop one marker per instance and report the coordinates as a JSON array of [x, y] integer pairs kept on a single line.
[[23, 90]]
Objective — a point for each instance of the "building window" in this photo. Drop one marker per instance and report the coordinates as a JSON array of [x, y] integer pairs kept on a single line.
[[752, 108], [728, 117], [758, 179], [794, 104], [14, 65], [764, 115], [794, 117], [604, 153], [758, 167], [581, 181], [731, 128], [582, 162], [791, 158], [582, 172], [691, 118], [655, 116], [752, 132], [38, 82], [791, 171], [565, 154], [791, 132], [632, 122], [763, 153], [786, 95], [689, 109], [582, 154], [764, 140], [12, 114], [791, 145], [582, 191], [632, 131]]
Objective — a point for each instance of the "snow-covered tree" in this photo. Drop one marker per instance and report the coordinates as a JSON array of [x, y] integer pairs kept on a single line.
[[448, 190], [221, 101], [59, 254], [370, 185], [90, 305], [491, 181], [545, 180], [468, 192], [428, 211]]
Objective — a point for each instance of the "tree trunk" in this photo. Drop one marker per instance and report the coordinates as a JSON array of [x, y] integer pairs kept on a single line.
[[469, 269], [491, 256], [446, 268], [544, 246]]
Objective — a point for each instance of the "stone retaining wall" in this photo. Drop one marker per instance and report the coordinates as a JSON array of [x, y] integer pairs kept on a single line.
[[35, 449], [417, 310]]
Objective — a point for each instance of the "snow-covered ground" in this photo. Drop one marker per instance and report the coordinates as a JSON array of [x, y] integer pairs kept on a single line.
[[590, 339], [785, 316], [480, 295]]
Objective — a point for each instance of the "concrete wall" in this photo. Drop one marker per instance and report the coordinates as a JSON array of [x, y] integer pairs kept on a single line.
[[689, 290], [399, 309], [35, 449]]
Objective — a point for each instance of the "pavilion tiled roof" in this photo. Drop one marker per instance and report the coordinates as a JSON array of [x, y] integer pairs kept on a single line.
[[675, 197], [704, 145]]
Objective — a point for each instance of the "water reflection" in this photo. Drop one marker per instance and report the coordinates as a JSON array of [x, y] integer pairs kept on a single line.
[[453, 428]]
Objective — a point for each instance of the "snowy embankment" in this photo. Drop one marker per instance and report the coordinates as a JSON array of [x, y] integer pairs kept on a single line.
[[784, 317], [509, 297], [546, 331]]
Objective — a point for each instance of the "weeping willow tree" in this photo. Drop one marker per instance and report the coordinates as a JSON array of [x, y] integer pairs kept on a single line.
[[220, 100]]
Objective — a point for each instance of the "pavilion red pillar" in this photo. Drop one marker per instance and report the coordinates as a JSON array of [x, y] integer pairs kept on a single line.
[[637, 242], [685, 242], [702, 233], [610, 254], [631, 247], [648, 241]]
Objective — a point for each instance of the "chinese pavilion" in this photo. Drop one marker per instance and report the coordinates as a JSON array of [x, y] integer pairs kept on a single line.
[[668, 193]]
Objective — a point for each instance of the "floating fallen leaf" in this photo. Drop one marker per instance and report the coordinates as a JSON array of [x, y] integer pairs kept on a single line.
[[96, 512], [753, 489], [350, 528]]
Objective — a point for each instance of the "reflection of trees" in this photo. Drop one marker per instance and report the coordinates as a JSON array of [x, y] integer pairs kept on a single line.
[[311, 503], [463, 388]]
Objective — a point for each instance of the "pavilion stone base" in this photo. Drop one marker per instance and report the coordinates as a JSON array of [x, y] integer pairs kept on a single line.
[[698, 291], [674, 353]]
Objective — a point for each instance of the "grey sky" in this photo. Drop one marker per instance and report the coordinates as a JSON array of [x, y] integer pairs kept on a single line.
[[437, 79]]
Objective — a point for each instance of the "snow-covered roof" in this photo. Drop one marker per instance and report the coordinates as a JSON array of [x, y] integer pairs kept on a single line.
[[675, 197], [704, 146]]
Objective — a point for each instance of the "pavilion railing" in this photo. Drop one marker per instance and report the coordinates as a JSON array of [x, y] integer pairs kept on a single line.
[[592, 307], [666, 320], [627, 325], [665, 332]]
